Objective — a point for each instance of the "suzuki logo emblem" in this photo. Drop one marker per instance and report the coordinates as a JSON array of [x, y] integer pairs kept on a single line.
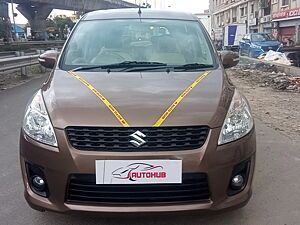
[[137, 138]]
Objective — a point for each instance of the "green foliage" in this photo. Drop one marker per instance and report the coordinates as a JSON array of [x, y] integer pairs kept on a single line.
[[50, 23], [2, 28], [61, 25]]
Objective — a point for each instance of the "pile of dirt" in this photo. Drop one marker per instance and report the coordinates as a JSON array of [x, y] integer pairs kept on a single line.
[[267, 75], [278, 109]]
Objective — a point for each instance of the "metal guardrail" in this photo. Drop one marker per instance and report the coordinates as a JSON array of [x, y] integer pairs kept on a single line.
[[12, 54], [33, 43], [7, 54], [18, 62]]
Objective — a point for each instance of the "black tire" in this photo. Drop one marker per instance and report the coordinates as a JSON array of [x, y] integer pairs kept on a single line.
[[240, 52], [250, 54]]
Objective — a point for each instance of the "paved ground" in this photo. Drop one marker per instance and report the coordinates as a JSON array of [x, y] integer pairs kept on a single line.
[[276, 199], [276, 107]]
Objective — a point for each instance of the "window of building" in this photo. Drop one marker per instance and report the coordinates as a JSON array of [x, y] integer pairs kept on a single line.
[[222, 19], [252, 9], [267, 11], [243, 11], [285, 2], [227, 17], [234, 15], [218, 20]]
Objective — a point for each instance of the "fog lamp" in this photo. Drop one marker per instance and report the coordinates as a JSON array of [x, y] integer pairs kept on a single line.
[[38, 183], [237, 182]]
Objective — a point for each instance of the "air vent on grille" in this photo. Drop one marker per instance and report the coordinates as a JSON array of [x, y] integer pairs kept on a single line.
[[118, 138], [82, 188], [266, 49]]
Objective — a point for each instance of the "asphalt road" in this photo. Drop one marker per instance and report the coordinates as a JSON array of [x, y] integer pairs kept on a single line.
[[275, 201]]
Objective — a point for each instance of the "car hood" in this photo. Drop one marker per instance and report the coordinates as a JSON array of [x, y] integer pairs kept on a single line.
[[267, 43], [141, 98]]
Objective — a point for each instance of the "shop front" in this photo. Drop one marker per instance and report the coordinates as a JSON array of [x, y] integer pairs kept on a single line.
[[287, 23]]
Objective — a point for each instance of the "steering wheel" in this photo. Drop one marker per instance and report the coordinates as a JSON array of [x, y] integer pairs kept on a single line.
[[108, 57], [117, 57]]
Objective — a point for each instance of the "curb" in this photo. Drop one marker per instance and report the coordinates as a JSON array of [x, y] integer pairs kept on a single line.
[[291, 70]]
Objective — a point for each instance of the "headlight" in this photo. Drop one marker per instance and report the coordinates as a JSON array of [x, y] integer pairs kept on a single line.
[[37, 124], [238, 121], [256, 46]]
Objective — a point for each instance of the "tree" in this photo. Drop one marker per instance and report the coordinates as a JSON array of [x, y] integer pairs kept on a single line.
[[2, 28], [59, 26], [63, 25], [5, 29]]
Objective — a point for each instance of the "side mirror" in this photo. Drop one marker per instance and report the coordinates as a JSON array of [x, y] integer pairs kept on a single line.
[[48, 59], [229, 58], [246, 40]]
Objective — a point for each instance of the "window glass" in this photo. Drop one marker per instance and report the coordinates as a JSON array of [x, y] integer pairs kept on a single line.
[[262, 37], [104, 42]]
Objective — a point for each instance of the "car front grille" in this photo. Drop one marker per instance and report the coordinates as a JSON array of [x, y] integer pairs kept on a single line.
[[266, 49], [118, 138], [82, 188]]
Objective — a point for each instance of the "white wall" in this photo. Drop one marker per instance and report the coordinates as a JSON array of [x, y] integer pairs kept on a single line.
[[206, 21]]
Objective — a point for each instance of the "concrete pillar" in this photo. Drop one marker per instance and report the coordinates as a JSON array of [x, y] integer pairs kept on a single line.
[[36, 16]]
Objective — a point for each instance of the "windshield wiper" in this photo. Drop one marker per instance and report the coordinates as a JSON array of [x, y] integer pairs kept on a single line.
[[125, 64], [148, 68], [144, 66], [132, 64], [192, 66], [86, 68]]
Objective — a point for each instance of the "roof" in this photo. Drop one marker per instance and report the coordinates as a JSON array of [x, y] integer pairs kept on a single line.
[[133, 14]]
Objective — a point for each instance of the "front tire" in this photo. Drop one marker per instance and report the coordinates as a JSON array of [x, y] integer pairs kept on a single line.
[[250, 54], [240, 52]]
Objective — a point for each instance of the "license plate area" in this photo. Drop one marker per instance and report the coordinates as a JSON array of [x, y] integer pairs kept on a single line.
[[138, 171]]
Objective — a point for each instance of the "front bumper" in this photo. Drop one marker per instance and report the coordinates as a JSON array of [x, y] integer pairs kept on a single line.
[[216, 161], [256, 52]]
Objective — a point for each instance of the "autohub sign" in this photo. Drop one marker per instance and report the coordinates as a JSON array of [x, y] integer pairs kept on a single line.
[[290, 13]]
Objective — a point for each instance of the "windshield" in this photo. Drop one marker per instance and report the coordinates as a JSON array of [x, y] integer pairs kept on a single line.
[[105, 42], [262, 37]]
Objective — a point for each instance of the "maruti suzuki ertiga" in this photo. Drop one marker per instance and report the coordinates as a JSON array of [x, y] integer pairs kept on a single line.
[[137, 115]]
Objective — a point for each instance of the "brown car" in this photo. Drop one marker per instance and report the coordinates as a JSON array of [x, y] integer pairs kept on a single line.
[[138, 115]]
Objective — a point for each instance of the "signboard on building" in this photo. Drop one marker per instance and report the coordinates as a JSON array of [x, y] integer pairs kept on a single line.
[[252, 22], [286, 14]]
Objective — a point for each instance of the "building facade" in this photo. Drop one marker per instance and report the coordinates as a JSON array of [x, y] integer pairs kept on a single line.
[[279, 17], [205, 18], [286, 20]]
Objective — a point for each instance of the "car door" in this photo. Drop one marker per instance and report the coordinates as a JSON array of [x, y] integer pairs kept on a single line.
[[247, 42], [243, 45]]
